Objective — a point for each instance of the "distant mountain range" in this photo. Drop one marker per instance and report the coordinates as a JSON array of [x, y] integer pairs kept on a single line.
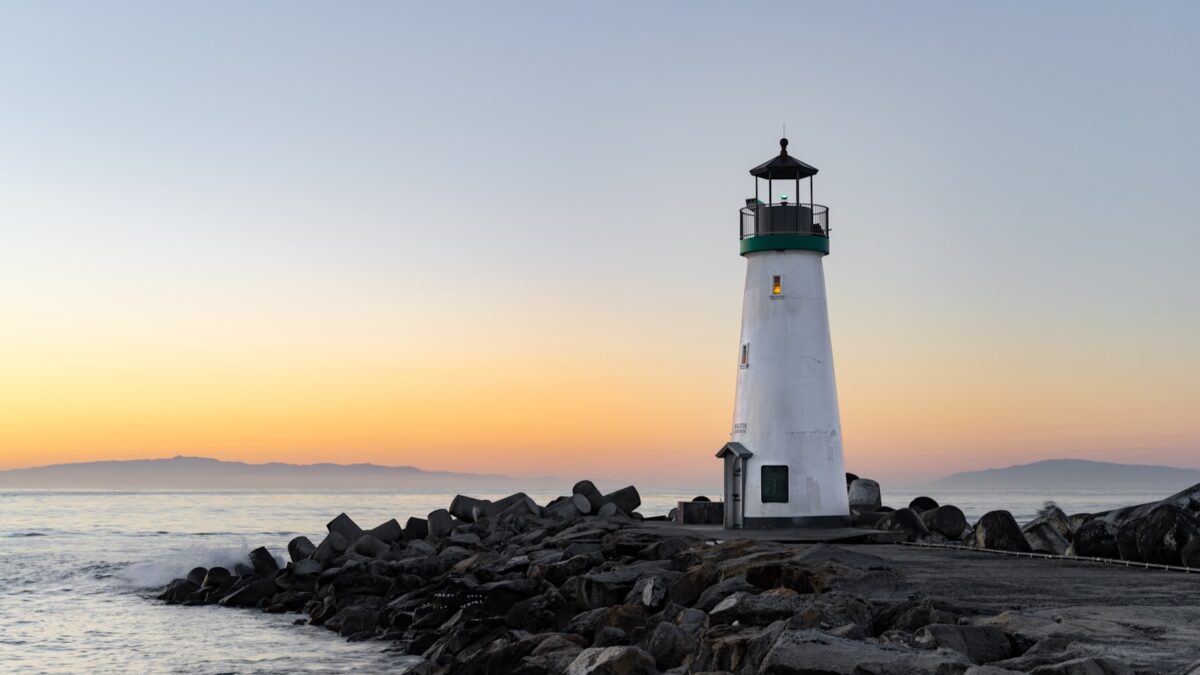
[[1074, 474], [200, 473]]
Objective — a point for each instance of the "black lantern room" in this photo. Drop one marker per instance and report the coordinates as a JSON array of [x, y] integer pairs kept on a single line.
[[783, 222]]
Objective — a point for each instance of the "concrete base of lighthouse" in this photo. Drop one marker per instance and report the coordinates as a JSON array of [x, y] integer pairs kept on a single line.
[[784, 465]]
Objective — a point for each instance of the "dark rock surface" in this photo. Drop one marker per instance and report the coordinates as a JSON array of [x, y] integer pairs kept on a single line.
[[518, 588], [998, 530]]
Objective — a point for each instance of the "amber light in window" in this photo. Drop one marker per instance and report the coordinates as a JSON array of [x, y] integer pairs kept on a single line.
[[776, 285]]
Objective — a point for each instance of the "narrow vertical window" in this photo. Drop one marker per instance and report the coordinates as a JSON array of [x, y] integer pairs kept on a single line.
[[745, 360], [777, 285]]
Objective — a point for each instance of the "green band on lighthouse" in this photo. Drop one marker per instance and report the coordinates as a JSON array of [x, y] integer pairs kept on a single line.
[[785, 242]]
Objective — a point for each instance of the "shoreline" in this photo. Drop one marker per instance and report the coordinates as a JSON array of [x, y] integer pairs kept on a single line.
[[516, 587]]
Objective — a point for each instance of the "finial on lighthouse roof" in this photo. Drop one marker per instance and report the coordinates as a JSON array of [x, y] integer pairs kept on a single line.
[[783, 166]]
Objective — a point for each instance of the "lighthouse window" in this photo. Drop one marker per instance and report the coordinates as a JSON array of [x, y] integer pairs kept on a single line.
[[776, 285], [745, 360], [775, 484]]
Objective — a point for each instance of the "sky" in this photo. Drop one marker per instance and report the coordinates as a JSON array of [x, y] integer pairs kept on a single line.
[[501, 237]]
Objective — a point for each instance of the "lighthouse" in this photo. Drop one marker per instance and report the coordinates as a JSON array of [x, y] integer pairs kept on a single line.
[[783, 464]]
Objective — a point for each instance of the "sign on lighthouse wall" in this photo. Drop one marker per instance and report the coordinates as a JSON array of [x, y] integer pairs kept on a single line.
[[783, 464]]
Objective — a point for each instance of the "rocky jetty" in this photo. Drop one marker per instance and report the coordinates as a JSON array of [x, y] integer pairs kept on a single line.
[[584, 586]]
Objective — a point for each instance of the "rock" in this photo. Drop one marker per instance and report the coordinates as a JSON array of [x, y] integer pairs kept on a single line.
[[248, 595], [304, 568], [865, 495], [512, 500], [562, 510], [1190, 557], [1076, 520], [923, 504], [216, 578], [627, 499], [1043, 537], [980, 644], [262, 562], [369, 546], [998, 531], [196, 576], [588, 490], [300, 548], [613, 661], [990, 670], [1163, 534], [483, 510], [808, 652], [1096, 538], [1086, 666], [946, 520], [1127, 543], [463, 507], [332, 546], [904, 520], [389, 532], [670, 645], [1056, 519], [345, 526], [439, 524], [178, 590], [416, 528], [581, 504], [602, 589], [611, 510]]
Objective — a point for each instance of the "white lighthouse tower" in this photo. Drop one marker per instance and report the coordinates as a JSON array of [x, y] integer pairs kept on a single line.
[[783, 464]]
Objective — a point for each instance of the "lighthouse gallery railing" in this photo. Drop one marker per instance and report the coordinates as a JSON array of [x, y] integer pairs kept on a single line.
[[785, 218]]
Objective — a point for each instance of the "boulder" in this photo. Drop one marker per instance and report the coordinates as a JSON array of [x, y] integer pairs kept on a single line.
[[262, 562], [611, 510], [1043, 537], [1191, 554], [416, 529], [216, 578], [1055, 518], [389, 532], [1127, 540], [178, 590], [906, 521], [1163, 534], [1096, 538], [332, 546], [923, 504], [483, 510], [581, 504], [345, 526], [850, 478], [588, 490], [439, 523], [1086, 666], [980, 644], [564, 509], [248, 594], [947, 520], [463, 507], [196, 576], [613, 661], [998, 531], [627, 499], [670, 645], [300, 548], [865, 495], [369, 546], [512, 500]]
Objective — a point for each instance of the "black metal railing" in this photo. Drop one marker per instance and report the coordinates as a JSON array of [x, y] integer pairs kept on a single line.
[[785, 218]]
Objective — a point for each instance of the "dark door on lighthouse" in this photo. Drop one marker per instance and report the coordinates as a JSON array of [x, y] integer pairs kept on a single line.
[[734, 456]]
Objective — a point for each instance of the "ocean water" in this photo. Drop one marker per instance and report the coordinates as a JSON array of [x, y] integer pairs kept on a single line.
[[79, 571]]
